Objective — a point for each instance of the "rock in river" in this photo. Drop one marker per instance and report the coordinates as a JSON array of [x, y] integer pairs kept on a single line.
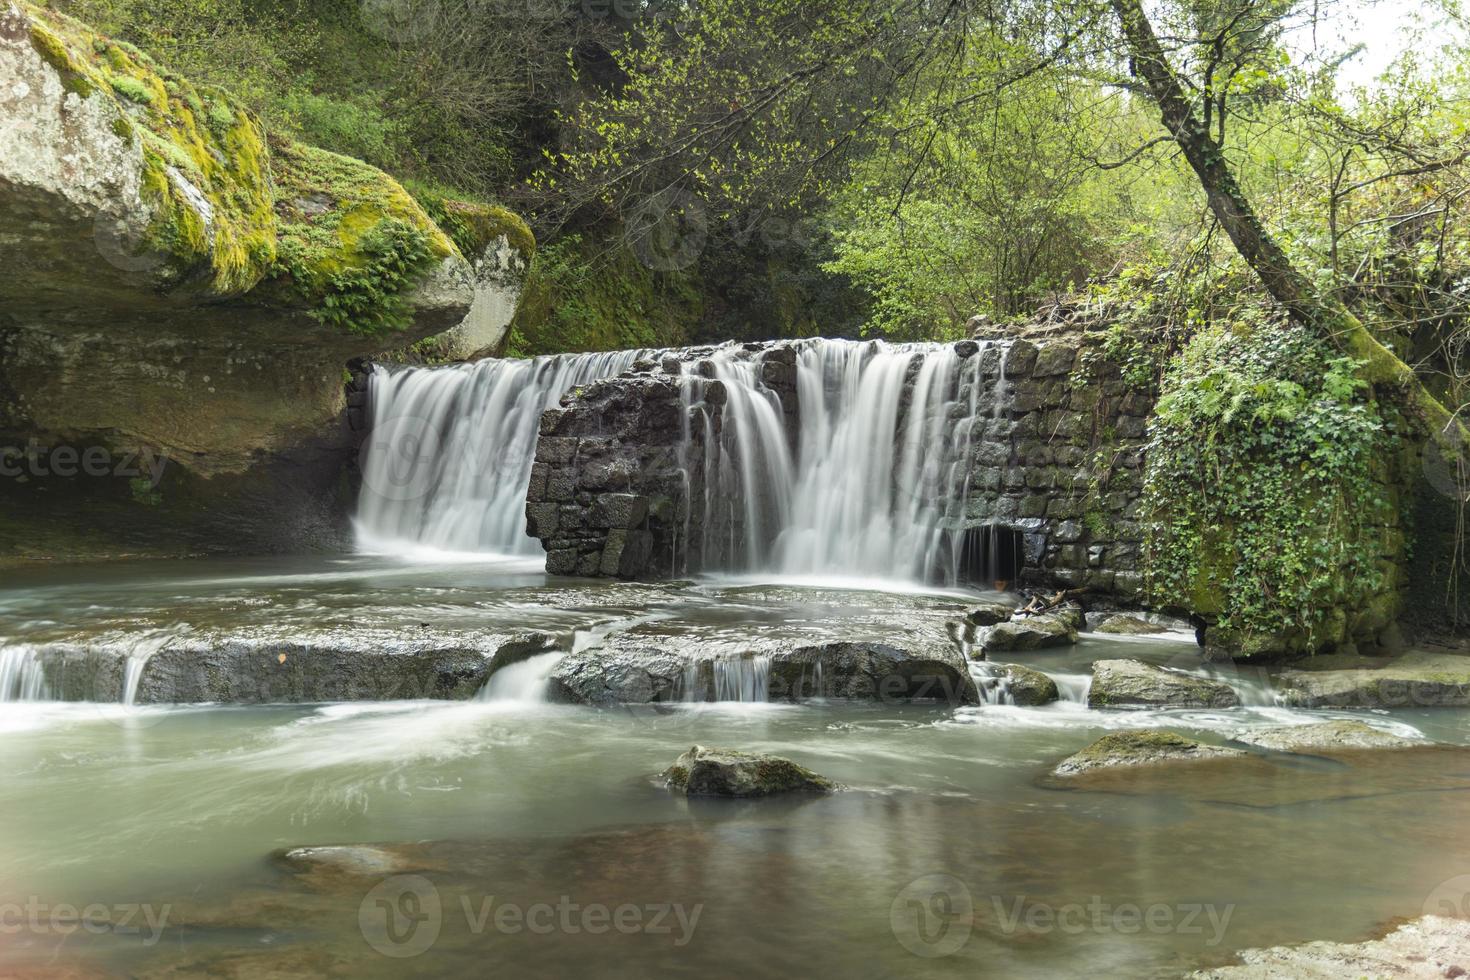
[[643, 666], [1139, 748], [1132, 684], [1025, 687], [1415, 680], [1121, 625], [1326, 736], [725, 772], [1031, 633]]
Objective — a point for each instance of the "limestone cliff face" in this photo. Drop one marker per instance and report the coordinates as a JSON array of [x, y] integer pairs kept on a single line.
[[179, 286]]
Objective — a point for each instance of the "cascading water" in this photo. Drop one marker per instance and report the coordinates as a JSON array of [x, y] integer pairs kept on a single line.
[[876, 483], [449, 456], [22, 676]]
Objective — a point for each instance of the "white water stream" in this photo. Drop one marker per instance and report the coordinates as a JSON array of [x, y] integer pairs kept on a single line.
[[448, 460]]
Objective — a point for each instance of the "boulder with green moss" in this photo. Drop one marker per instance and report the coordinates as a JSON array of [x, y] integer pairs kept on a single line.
[[184, 286], [1133, 684], [725, 772], [1140, 748]]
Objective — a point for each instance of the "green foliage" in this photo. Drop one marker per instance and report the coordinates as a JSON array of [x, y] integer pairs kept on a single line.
[[584, 295], [1260, 500], [353, 242], [370, 297]]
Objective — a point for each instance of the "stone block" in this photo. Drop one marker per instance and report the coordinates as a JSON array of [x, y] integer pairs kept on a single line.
[[618, 510]]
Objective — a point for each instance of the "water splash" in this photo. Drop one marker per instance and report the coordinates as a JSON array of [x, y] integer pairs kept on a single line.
[[449, 457]]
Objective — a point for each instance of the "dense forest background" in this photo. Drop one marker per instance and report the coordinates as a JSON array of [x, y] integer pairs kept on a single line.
[[731, 169]]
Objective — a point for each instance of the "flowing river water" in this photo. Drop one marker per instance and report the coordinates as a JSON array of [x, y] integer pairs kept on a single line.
[[505, 834], [948, 831]]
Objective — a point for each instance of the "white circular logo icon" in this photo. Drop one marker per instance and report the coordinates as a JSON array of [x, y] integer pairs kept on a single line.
[[932, 916], [401, 916]]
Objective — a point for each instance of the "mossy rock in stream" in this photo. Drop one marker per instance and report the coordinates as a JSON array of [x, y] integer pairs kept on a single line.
[[725, 772], [1140, 748]]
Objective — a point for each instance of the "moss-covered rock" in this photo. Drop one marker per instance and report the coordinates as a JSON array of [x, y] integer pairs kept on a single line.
[[725, 772], [1139, 748], [1132, 684], [203, 165], [1414, 680], [182, 285], [1341, 735]]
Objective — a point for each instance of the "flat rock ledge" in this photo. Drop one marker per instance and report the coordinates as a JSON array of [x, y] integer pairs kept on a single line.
[[295, 668], [726, 772], [1122, 625], [1140, 748], [1430, 948], [1134, 684], [1327, 736], [1415, 680], [640, 667]]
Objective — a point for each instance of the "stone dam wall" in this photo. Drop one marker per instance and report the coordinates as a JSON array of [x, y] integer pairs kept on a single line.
[[1056, 471]]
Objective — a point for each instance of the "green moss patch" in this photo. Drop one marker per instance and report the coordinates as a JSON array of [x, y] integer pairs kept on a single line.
[[353, 241], [473, 225], [185, 145]]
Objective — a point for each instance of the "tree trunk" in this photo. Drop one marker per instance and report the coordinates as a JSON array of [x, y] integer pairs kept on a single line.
[[1282, 279]]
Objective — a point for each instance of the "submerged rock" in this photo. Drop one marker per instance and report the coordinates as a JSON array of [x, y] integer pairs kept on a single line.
[[1325, 736], [1031, 633], [1121, 625], [641, 667], [1431, 948], [1027, 688], [1133, 684], [1140, 748], [725, 772], [1413, 680]]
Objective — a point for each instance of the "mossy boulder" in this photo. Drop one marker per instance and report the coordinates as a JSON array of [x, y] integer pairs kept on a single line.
[[1026, 688], [183, 286], [1140, 748], [725, 772], [1341, 735], [1122, 625], [171, 183], [1415, 680], [1031, 633], [1133, 684]]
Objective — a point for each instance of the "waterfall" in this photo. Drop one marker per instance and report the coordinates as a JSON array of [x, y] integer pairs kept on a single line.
[[526, 681], [872, 483], [22, 676], [746, 679], [448, 459]]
